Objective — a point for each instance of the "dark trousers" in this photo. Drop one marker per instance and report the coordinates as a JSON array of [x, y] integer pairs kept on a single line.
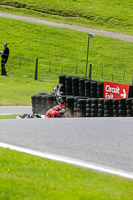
[[3, 69]]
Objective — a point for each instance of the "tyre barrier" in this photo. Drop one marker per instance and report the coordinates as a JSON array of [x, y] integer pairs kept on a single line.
[[80, 106], [84, 98], [42, 103], [78, 86]]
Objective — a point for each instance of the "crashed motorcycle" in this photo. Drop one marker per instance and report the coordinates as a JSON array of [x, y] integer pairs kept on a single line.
[[29, 116]]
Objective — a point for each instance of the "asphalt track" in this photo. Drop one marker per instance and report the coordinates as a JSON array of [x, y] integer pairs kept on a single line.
[[15, 110], [101, 141], [74, 27]]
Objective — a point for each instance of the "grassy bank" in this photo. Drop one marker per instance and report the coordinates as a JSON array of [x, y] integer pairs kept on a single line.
[[59, 50], [23, 176], [105, 15]]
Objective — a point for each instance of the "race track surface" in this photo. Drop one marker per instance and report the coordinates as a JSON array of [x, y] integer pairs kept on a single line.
[[103, 141], [15, 110]]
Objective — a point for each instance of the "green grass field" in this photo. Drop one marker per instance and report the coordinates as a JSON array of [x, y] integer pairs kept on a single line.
[[105, 15], [23, 176], [65, 49], [8, 116]]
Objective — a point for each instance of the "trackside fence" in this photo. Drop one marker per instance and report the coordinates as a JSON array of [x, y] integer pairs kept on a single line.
[[44, 69]]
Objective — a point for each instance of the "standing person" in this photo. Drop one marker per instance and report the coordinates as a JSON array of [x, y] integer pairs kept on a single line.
[[4, 56]]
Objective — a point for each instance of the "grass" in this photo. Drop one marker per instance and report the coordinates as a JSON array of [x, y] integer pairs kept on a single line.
[[100, 14], [66, 49], [23, 176], [8, 116]]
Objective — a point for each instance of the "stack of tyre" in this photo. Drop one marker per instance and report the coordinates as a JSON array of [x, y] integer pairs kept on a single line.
[[87, 88], [62, 79], [81, 87], [115, 108], [51, 101], [75, 106], [75, 86], [129, 107], [81, 107], [68, 85], [88, 107], [70, 105], [93, 90], [101, 107], [34, 104], [42, 102], [122, 108], [108, 108], [94, 107], [37, 103], [100, 88]]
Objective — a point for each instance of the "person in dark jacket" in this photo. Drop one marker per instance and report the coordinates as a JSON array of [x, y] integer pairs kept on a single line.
[[4, 56]]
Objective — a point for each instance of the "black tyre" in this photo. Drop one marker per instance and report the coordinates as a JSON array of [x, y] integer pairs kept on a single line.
[[129, 107], [129, 115], [115, 111], [122, 101], [75, 109], [108, 107], [88, 101], [115, 101], [100, 110], [101, 106], [122, 106], [122, 112], [108, 111], [115, 115], [81, 101], [108, 115], [100, 114], [93, 105], [88, 110], [94, 100], [88, 114], [81, 106], [94, 110], [101, 101], [81, 109], [94, 114], [129, 101], [115, 106], [108, 101], [88, 105], [129, 111]]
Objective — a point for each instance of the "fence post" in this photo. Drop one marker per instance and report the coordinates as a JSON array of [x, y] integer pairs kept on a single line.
[[112, 77], [132, 78], [76, 70], [20, 62], [90, 71], [62, 71], [102, 72], [123, 76], [50, 66], [36, 69]]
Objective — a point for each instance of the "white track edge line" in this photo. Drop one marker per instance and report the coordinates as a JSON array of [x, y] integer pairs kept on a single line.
[[72, 161]]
